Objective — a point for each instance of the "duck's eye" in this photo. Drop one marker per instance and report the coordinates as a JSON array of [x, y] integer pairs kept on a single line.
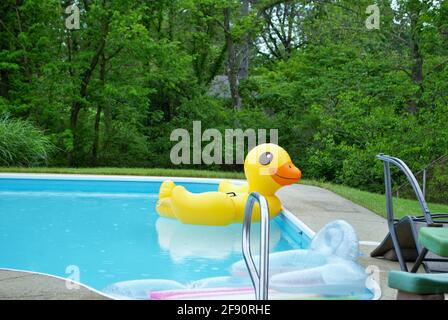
[[266, 158]]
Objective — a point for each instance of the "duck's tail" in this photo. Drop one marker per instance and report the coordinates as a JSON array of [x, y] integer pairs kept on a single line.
[[166, 189], [164, 205]]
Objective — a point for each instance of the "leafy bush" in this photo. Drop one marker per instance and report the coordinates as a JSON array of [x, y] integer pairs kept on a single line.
[[21, 144], [127, 147]]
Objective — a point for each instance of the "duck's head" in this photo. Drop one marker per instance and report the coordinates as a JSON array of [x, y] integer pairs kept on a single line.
[[268, 167]]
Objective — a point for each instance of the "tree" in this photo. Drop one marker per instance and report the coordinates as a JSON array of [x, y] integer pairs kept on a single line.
[[232, 66]]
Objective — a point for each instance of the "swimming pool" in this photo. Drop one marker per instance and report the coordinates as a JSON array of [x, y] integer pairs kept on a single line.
[[107, 228]]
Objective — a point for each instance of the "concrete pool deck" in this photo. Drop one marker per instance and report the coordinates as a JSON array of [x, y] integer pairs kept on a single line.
[[314, 206], [16, 285]]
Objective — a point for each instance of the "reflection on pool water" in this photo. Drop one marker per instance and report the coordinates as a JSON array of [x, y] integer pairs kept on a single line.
[[111, 232]]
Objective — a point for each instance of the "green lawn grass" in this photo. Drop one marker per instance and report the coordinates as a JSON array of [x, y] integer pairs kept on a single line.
[[377, 202], [372, 201]]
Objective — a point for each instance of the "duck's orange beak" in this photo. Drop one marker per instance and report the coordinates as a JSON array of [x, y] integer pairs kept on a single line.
[[287, 174]]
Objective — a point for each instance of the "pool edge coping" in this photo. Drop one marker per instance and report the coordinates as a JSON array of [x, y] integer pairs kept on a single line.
[[72, 282], [56, 176]]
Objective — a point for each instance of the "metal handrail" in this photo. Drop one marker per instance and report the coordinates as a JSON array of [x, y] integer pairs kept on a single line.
[[412, 180], [388, 160], [260, 277], [427, 217]]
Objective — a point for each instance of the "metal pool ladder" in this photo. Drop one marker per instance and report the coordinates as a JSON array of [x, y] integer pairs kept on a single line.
[[260, 277]]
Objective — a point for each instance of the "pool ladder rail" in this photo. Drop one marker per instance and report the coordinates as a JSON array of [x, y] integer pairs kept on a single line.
[[260, 277]]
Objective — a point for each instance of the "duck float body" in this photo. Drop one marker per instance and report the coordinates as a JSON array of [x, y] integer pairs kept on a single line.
[[267, 167]]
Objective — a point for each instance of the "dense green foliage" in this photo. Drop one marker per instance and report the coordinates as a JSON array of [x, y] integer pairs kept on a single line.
[[110, 93]]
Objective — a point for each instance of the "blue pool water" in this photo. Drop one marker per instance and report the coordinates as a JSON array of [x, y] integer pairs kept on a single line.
[[111, 232]]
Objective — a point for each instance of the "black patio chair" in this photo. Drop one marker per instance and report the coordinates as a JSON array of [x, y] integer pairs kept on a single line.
[[401, 243]]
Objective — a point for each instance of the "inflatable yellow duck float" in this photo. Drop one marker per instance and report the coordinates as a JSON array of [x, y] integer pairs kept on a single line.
[[267, 167]]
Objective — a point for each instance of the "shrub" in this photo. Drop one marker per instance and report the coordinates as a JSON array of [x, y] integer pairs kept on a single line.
[[21, 144]]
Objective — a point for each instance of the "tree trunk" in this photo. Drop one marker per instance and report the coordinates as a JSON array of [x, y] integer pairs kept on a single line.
[[417, 58], [77, 105], [101, 102], [232, 71], [96, 137], [4, 45], [4, 84], [171, 22], [107, 125], [417, 76], [245, 59], [217, 64]]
